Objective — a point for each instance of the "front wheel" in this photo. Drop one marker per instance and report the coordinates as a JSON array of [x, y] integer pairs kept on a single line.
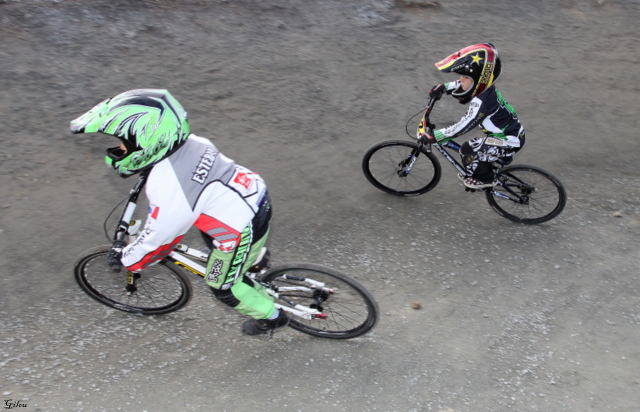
[[527, 194], [158, 289], [348, 309], [401, 167]]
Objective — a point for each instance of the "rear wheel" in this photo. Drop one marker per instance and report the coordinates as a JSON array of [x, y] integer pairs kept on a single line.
[[161, 288], [348, 309], [528, 194], [401, 168]]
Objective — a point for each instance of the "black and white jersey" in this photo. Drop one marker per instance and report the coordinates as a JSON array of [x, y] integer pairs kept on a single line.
[[491, 112]]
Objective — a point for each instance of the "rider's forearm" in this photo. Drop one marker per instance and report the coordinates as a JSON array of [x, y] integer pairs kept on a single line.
[[441, 137], [469, 121]]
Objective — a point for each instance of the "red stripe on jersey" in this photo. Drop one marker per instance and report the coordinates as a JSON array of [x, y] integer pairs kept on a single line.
[[158, 254], [226, 236], [208, 224]]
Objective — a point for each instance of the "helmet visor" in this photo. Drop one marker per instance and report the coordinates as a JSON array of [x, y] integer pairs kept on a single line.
[[116, 153]]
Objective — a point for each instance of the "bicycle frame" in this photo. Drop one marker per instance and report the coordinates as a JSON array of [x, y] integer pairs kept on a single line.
[[427, 125], [182, 254], [180, 257], [451, 145]]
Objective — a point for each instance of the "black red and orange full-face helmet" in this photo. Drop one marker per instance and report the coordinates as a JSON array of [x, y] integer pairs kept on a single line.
[[479, 62]]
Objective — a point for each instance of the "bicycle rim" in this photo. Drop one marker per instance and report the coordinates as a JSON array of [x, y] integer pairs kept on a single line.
[[160, 289], [542, 193], [350, 309], [385, 166]]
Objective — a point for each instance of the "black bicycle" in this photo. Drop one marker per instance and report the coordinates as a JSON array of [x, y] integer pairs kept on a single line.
[[321, 301], [524, 194]]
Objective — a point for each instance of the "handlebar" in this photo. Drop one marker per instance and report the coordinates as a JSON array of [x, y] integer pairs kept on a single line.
[[425, 118], [426, 125]]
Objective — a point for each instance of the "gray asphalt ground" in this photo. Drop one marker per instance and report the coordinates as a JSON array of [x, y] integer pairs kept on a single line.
[[512, 317]]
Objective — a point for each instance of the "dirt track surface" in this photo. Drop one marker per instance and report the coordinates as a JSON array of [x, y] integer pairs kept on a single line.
[[513, 317]]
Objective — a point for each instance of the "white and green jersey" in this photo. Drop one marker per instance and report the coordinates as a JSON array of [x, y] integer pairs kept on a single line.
[[196, 185]]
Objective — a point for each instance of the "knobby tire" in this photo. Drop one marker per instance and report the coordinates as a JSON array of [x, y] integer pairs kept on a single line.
[[384, 166], [545, 195]]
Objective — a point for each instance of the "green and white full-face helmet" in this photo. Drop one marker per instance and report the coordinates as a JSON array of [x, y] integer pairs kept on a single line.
[[150, 123]]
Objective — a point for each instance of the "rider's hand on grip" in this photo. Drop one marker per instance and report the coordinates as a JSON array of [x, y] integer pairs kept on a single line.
[[437, 91], [115, 255]]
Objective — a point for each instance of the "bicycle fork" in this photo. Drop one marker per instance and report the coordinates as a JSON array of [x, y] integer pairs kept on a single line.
[[405, 166], [131, 282]]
